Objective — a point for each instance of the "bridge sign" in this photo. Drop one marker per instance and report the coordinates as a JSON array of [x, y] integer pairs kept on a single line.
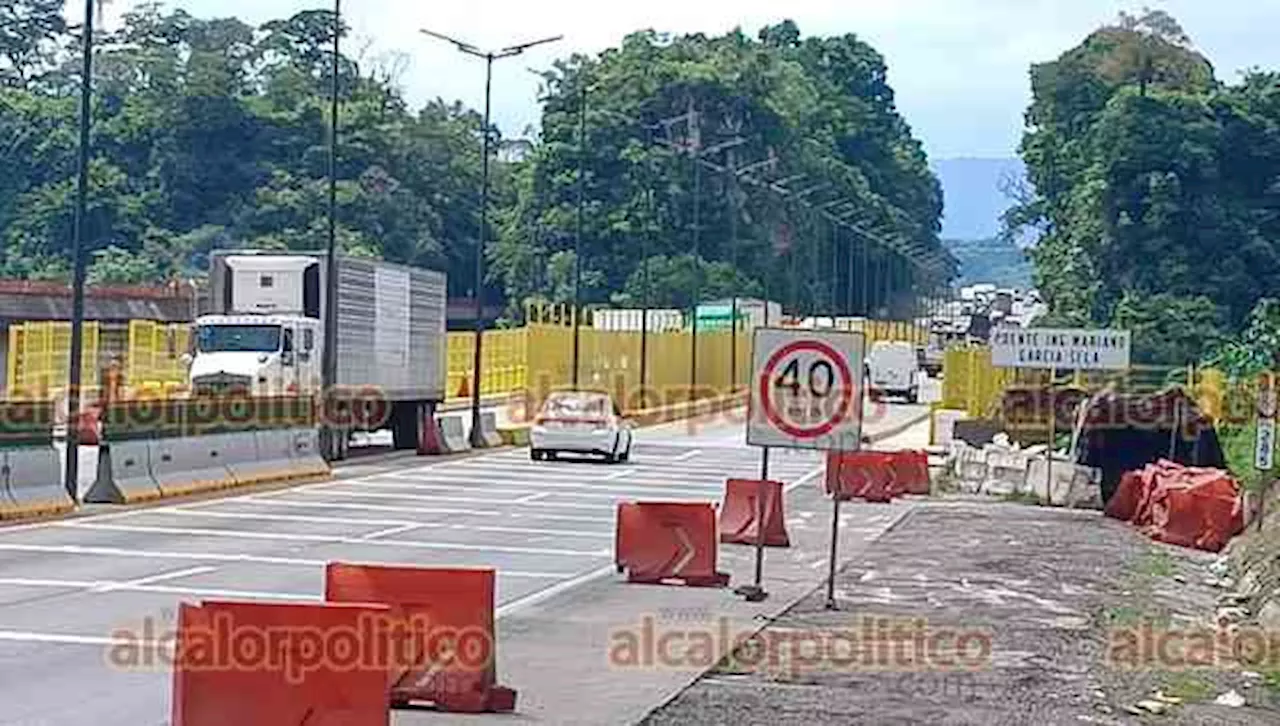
[[1077, 348], [806, 389]]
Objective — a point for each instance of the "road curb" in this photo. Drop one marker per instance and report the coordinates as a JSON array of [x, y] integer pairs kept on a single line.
[[898, 428]]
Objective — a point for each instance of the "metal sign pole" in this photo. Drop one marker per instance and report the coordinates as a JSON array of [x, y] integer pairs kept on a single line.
[[1053, 424], [835, 539], [756, 591], [1264, 443]]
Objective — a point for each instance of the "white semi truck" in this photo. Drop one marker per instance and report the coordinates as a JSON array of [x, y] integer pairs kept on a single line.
[[266, 334]]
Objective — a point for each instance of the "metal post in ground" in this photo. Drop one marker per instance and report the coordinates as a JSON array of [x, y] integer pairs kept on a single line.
[[71, 473], [756, 592], [835, 540]]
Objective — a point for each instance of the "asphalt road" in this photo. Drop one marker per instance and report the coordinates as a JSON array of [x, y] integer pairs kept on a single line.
[[72, 591]]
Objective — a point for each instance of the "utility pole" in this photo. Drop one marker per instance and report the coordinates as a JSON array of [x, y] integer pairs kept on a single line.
[[696, 145], [331, 439], [734, 211], [71, 474], [577, 242]]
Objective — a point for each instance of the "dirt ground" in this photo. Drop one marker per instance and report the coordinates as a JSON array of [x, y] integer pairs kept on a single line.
[[1007, 614]]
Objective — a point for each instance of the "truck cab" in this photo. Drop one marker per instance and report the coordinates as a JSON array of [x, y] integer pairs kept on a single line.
[[265, 355]]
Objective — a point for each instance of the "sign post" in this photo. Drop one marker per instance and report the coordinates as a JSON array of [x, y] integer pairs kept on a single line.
[[1264, 444], [806, 393], [1055, 348]]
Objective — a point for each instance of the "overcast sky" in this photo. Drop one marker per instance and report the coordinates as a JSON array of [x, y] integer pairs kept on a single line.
[[959, 67]]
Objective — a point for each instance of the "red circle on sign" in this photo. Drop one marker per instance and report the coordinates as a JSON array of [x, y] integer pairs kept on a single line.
[[846, 393]]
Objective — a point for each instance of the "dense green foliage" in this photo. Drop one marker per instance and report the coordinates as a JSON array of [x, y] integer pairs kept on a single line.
[[212, 133], [821, 106], [1156, 188], [995, 260]]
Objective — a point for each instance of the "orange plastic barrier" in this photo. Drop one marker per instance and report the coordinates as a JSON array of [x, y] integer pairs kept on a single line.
[[656, 542], [268, 664], [1186, 506], [738, 514], [430, 439], [444, 632], [867, 475], [911, 469]]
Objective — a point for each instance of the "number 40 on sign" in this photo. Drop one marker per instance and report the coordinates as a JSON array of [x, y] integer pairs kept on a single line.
[[806, 389]]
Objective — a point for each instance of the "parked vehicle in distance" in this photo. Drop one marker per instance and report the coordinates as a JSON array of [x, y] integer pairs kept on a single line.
[[580, 422], [931, 356], [893, 369]]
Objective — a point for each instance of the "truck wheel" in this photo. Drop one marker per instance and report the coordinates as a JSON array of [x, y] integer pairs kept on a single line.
[[913, 396]]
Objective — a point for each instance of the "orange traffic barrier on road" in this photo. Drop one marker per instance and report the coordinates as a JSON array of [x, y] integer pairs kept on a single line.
[[657, 542], [739, 515], [1186, 506], [867, 475], [268, 664], [430, 439], [911, 470], [443, 632]]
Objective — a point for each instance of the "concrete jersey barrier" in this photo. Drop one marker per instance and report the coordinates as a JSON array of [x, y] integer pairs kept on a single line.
[[173, 448], [453, 434], [30, 466]]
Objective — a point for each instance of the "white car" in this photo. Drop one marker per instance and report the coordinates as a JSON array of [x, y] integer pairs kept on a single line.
[[580, 422]]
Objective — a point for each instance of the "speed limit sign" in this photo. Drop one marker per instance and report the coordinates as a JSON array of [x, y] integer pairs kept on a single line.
[[806, 389]]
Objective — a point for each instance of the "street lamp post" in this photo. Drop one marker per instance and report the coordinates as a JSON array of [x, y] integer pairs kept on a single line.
[[477, 440], [72, 471]]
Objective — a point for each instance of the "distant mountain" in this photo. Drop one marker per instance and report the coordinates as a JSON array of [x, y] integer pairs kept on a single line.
[[973, 200], [991, 260]]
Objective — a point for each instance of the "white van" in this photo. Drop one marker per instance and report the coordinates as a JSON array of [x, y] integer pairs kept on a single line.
[[893, 369]]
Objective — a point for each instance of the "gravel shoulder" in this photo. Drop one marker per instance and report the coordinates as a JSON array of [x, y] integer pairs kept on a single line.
[[989, 613]]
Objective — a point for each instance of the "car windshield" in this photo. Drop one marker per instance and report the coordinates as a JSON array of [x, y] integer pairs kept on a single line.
[[577, 405], [238, 338]]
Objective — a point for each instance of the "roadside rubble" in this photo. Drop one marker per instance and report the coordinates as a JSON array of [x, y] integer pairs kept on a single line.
[[1003, 469]]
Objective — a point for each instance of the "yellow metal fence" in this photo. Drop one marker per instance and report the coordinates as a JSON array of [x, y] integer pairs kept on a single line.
[[536, 357], [39, 355]]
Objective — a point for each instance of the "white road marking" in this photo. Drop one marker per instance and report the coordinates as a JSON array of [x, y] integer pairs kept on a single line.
[[161, 577], [97, 641], [532, 599], [599, 491], [123, 586], [406, 527], [432, 498], [532, 497], [804, 479], [277, 501], [686, 455], [264, 516], [236, 534], [224, 558], [408, 509], [159, 554], [486, 482]]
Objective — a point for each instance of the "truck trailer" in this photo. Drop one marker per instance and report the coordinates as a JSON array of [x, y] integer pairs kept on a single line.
[[265, 334]]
